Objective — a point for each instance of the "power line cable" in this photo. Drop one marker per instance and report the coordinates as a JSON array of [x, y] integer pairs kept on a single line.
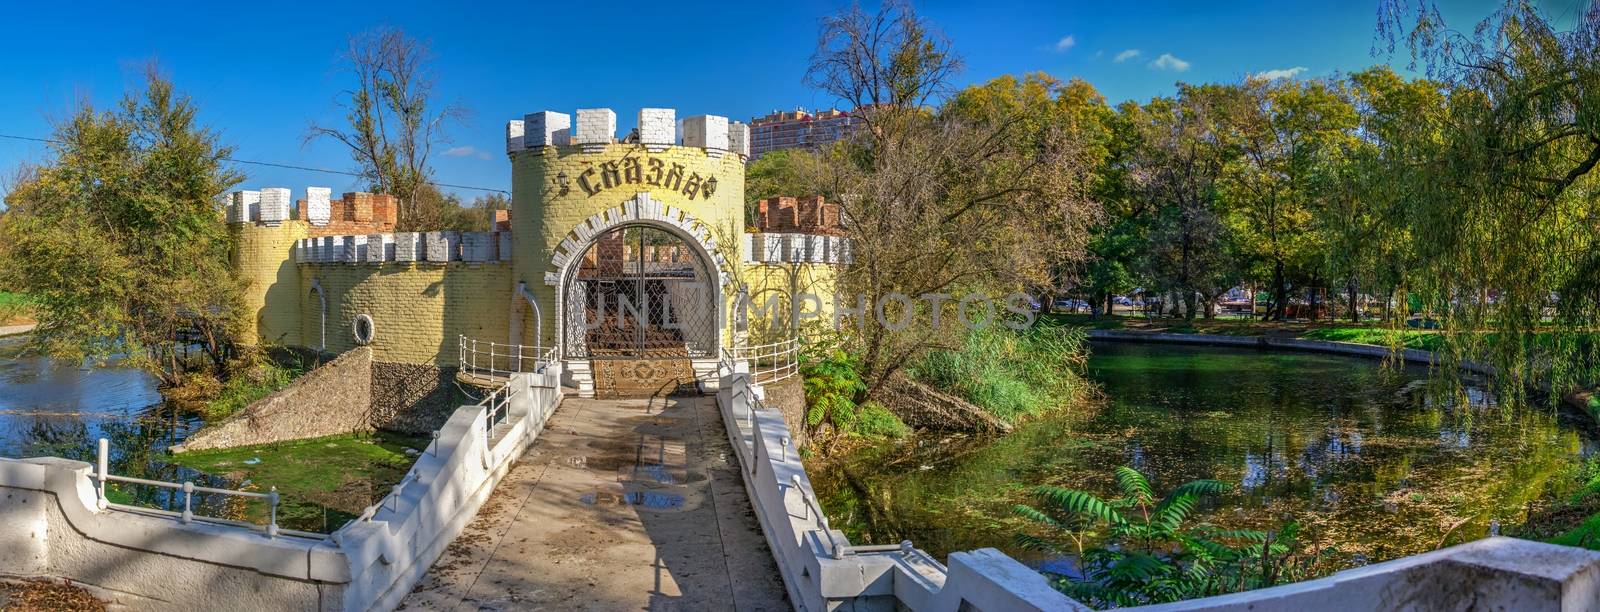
[[284, 166]]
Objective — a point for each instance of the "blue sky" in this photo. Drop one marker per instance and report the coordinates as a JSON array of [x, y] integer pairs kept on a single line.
[[262, 71]]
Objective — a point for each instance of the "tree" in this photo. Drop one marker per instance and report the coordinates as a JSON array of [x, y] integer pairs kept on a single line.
[[938, 201], [1502, 206], [393, 121], [1282, 129], [118, 239], [1359, 204], [777, 173], [1176, 163]]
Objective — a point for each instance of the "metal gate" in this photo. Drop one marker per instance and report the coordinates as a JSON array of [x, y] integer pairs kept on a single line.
[[640, 292]]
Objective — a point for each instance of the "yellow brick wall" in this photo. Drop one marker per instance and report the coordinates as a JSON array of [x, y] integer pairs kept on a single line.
[[542, 217], [418, 310], [786, 280], [264, 257]]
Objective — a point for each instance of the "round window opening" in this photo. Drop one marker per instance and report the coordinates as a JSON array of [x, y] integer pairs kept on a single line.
[[362, 328]]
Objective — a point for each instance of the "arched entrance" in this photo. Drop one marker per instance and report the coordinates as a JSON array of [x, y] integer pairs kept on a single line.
[[640, 291]]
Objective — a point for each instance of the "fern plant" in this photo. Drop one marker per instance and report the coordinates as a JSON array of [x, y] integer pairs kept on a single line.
[[1145, 553]]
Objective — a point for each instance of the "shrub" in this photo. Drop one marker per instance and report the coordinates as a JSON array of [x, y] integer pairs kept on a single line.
[[250, 379], [1146, 553], [1011, 374], [833, 384]]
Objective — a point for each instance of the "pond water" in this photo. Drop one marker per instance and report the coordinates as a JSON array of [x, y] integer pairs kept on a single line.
[[1368, 463], [55, 409]]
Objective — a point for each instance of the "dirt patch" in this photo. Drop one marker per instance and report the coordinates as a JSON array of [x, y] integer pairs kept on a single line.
[[43, 595]]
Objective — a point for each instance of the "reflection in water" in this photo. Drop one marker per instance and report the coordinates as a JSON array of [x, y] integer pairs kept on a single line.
[[53, 409], [1368, 464]]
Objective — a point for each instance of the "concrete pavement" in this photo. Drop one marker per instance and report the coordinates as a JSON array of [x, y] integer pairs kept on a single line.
[[620, 505]]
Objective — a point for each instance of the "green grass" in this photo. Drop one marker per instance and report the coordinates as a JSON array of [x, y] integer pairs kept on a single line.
[[1405, 338], [1010, 374], [14, 307], [246, 387], [1377, 335], [323, 481]]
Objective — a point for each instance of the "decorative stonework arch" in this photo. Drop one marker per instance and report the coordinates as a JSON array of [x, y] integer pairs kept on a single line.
[[641, 208]]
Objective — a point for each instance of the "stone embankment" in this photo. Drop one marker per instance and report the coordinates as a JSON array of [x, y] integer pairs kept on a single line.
[[331, 400], [16, 330], [1294, 344]]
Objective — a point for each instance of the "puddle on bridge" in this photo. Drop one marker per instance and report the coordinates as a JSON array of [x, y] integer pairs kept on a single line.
[[652, 500]]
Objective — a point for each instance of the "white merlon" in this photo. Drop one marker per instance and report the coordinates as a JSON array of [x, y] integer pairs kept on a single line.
[[328, 249], [706, 132], [380, 248], [319, 208], [407, 246], [513, 136], [739, 138], [562, 137], [596, 126], [539, 129], [244, 206], [353, 249], [658, 126], [477, 246], [504, 239], [275, 205]]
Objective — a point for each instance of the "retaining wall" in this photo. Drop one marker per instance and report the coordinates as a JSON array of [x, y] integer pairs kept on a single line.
[[333, 399], [1294, 344]]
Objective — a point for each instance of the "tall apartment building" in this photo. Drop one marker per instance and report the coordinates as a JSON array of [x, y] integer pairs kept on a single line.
[[798, 129]]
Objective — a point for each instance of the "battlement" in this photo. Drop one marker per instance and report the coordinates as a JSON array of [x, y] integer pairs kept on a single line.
[[807, 215], [357, 212], [405, 247], [658, 129]]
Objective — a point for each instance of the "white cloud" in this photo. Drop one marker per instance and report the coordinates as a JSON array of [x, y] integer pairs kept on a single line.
[[467, 151], [1126, 55], [1065, 43], [1281, 73], [1169, 62]]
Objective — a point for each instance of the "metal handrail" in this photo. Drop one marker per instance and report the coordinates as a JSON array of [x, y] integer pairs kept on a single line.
[[771, 362], [812, 506], [493, 359], [496, 407], [102, 475]]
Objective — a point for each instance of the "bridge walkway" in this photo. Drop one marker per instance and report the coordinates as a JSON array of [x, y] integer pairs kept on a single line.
[[619, 505]]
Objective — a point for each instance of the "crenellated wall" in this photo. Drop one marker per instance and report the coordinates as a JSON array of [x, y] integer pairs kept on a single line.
[[314, 265]]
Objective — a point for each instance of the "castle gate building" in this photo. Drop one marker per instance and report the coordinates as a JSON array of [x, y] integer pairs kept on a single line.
[[630, 260]]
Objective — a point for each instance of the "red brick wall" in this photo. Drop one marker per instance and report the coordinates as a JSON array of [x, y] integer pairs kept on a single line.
[[356, 213], [807, 215]]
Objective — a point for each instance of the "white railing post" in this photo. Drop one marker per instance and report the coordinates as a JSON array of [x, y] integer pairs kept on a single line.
[[102, 461], [272, 527], [188, 500]]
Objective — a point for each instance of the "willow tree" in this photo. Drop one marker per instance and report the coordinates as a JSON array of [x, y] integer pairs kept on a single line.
[[118, 241], [1505, 213], [940, 197], [1360, 202]]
